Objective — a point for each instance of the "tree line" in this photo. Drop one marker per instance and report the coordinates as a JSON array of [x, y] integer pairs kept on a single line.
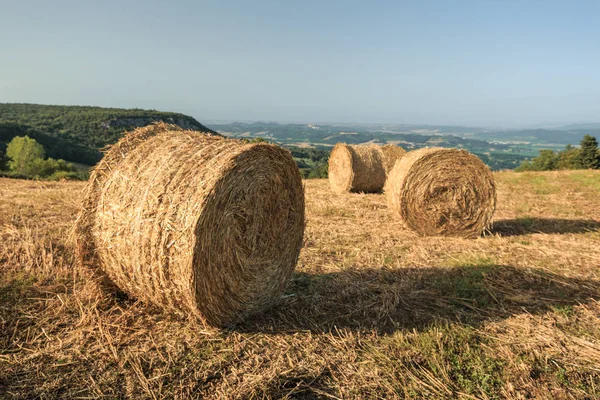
[[313, 163], [587, 156], [77, 133]]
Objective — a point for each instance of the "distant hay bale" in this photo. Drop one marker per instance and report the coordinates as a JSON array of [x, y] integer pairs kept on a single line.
[[360, 168], [193, 223], [440, 191], [391, 154]]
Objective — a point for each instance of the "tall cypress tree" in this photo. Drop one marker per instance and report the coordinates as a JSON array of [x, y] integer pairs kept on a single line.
[[589, 152]]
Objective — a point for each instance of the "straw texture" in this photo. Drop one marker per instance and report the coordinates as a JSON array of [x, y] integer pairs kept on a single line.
[[363, 168], [440, 191], [193, 223], [391, 154]]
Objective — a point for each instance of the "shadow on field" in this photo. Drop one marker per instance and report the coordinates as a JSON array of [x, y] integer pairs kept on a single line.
[[388, 300], [524, 226]]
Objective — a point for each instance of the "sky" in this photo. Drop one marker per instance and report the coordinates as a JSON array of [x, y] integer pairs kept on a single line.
[[482, 63]]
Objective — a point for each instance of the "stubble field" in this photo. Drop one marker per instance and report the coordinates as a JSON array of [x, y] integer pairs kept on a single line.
[[373, 310]]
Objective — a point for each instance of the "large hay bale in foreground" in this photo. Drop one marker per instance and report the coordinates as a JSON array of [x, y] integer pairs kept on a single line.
[[360, 168], [193, 223], [439, 191]]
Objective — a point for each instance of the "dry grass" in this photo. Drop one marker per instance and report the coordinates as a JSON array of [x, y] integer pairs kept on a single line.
[[373, 311], [193, 223]]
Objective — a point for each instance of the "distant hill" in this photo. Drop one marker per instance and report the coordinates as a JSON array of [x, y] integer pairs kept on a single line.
[[322, 137], [77, 133], [540, 136], [326, 136], [585, 126], [533, 136]]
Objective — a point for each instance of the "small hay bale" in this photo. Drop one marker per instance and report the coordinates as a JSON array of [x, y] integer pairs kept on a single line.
[[439, 191], [391, 154], [361, 168], [196, 224], [355, 168]]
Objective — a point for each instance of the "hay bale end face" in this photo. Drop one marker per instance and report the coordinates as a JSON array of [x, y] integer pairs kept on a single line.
[[193, 223], [439, 191], [360, 168]]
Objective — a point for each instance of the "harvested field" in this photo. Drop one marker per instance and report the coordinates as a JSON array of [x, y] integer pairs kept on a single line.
[[372, 311]]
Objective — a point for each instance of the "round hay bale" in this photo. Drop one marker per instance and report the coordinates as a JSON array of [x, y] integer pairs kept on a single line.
[[439, 191], [391, 154], [193, 223], [356, 168]]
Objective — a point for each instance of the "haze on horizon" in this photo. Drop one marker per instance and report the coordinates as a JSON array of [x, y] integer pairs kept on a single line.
[[475, 63]]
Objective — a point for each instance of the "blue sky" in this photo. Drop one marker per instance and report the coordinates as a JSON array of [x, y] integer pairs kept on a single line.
[[487, 63]]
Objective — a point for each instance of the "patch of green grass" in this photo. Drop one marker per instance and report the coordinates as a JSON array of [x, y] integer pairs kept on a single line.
[[541, 185], [512, 179], [523, 208], [586, 179], [526, 222], [593, 234], [468, 286], [551, 370], [470, 261], [389, 259], [456, 356], [16, 288], [448, 361], [465, 281], [564, 310]]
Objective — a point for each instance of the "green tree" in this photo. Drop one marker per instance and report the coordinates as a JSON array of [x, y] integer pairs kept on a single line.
[[53, 169], [589, 152], [546, 161], [320, 171], [570, 158], [525, 166], [26, 159], [23, 152]]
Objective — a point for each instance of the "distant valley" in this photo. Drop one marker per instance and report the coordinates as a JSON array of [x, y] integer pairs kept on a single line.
[[77, 134], [500, 149]]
